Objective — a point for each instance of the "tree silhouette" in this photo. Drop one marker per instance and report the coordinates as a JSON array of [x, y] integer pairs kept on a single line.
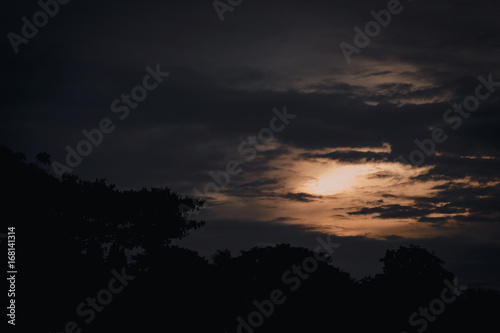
[[74, 232]]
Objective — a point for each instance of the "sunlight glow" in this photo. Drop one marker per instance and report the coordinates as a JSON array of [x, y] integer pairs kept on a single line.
[[336, 180]]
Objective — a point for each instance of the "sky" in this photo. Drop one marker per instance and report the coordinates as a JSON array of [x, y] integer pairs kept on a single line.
[[316, 140]]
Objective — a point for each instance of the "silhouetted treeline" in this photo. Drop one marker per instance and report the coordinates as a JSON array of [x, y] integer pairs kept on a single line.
[[80, 242]]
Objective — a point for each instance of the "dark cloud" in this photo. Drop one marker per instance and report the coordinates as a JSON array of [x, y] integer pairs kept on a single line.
[[351, 156], [302, 197], [393, 211], [461, 202]]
